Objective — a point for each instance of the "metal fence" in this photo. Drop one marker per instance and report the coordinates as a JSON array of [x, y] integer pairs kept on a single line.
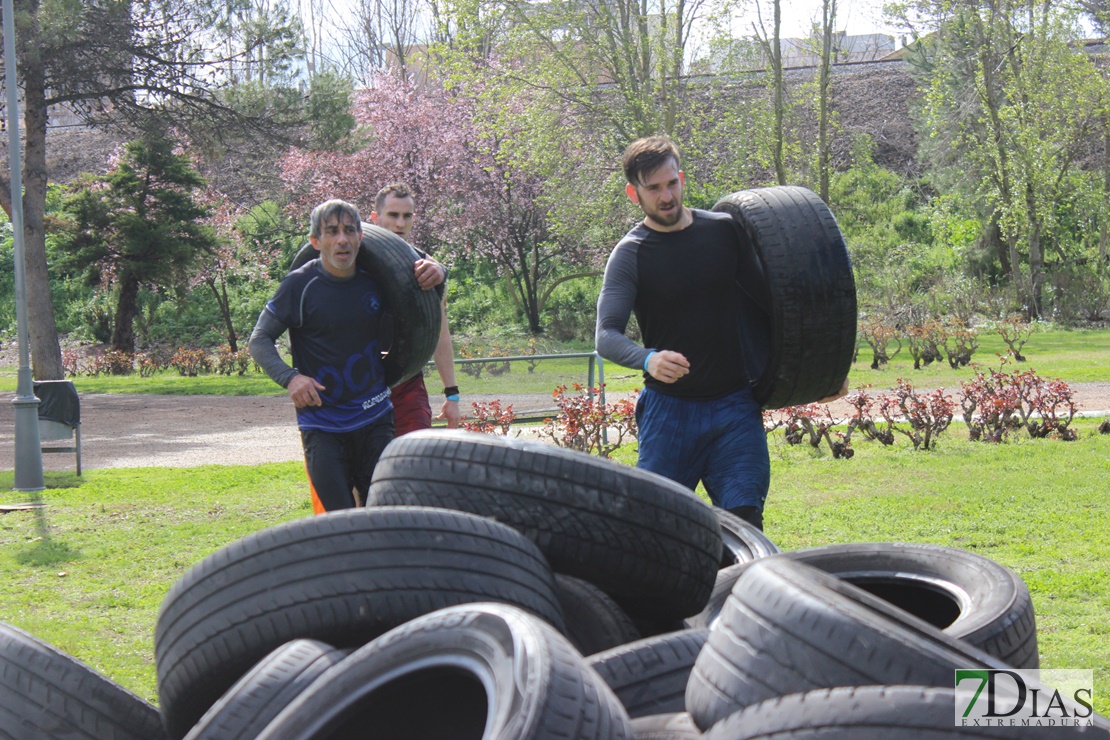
[[595, 377]]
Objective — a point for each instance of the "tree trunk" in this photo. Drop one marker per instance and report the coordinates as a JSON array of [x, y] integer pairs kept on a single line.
[[780, 102], [123, 336], [224, 304], [823, 103], [46, 353], [1104, 231]]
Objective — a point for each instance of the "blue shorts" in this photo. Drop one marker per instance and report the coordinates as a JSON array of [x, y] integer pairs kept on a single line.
[[720, 443]]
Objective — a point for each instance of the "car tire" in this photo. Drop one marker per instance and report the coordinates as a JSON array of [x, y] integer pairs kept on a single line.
[[476, 671], [594, 622], [647, 541], [806, 351], [966, 595], [742, 541], [789, 628], [674, 726], [256, 698], [649, 676], [342, 578], [46, 694], [871, 713]]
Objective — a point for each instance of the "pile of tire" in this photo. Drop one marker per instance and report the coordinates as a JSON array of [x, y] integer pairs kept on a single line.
[[501, 588]]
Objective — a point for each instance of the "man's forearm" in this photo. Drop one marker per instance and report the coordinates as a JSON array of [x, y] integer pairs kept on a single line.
[[263, 348], [444, 355]]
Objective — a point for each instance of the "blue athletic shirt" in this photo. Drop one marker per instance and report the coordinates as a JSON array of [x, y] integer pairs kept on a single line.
[[334, 331]]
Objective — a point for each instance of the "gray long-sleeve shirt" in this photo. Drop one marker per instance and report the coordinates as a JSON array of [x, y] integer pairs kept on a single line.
[[687, 289]]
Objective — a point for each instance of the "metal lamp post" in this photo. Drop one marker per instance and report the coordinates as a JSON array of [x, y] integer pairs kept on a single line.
[[28, 445]]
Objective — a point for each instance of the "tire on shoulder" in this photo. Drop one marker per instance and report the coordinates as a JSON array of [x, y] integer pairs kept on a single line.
[[805, 352], [416, 313]]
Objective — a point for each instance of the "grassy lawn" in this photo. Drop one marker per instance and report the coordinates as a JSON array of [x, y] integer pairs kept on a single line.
[[1076, 356], [88, 572]]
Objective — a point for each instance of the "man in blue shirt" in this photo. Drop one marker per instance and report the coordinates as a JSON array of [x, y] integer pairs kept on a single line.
[[335, 318]]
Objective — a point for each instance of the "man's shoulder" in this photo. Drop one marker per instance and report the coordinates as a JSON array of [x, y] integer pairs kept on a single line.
[[635, 235]]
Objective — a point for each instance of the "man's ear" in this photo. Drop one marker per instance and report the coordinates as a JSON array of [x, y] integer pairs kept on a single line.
[[682, 177], [373, 217], [314, 242], [633, 196]]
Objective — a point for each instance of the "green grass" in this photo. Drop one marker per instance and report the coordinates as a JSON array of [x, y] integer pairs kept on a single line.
[[1078, 356], [1075, 355], [88, 572]]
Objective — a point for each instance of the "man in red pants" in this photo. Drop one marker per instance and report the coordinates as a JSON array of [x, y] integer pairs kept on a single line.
[[394, 210]]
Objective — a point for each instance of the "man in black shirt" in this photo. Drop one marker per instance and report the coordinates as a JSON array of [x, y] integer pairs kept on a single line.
[[685, 274]]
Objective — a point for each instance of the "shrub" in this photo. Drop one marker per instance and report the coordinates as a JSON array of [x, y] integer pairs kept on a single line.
[[815, 422], [879, 335], [190, 362], [996, 402], [112, 362], [587, 425], [1015, 332], [475, 369], [960, 342], [228, 362], [863, 419], [489, 418], [925, 341], [71, 363], [920, 418], [150, 363]]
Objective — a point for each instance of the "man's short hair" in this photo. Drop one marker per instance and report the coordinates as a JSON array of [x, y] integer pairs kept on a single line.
[[396, 189], [340, 210], [646, 155]]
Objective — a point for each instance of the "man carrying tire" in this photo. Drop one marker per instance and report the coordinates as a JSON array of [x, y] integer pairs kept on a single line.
[[394, 210], [683, 272], [336, 322]]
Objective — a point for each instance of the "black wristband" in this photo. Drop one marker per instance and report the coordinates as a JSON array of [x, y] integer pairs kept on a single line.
[[451, 390]]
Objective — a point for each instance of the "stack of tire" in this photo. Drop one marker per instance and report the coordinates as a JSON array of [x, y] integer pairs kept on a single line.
[[500, 588]]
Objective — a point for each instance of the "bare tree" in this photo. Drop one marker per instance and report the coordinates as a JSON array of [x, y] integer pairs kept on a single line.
[[772, 48], [824, 148]]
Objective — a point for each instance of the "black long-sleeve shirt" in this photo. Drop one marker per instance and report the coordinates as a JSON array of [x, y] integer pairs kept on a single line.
[[687, 289]]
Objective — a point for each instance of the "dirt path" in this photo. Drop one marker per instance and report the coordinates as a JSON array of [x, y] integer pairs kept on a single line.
[[126, 431]]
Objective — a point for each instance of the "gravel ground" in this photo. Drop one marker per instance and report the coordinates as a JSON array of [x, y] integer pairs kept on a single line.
[[127, 431]]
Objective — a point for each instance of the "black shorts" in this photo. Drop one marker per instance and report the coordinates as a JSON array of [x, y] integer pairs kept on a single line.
[[340, 464]]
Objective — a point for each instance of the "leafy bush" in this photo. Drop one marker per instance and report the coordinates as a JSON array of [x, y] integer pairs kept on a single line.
[[1015, 332], [228, 362], [112, 362], [815, 422], [995, 403], [920, 418], [489, 418], [190, 362], [587, 425]]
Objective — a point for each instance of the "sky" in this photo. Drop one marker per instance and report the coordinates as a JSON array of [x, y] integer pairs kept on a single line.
[[856, 16]]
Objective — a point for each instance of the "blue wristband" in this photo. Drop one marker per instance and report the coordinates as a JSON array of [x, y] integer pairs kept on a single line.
[[453, 398], [648, 358]]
